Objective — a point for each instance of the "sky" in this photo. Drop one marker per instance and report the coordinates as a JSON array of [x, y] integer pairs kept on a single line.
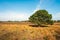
[[20, 10]]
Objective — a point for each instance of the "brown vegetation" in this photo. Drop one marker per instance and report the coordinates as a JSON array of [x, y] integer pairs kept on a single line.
[[22, 31]]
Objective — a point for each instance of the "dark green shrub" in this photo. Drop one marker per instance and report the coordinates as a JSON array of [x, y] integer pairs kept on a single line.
[[41, 17]]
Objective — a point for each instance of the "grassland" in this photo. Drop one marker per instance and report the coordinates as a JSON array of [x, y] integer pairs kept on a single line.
[[22, 31]]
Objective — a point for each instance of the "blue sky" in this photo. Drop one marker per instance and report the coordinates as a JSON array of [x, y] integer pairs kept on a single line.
[[17, 10]]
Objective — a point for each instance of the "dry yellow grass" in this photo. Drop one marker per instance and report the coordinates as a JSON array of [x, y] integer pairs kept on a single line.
[[22, 31]]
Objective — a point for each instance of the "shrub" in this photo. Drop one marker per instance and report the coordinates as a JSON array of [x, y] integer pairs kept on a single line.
[[41, 17]]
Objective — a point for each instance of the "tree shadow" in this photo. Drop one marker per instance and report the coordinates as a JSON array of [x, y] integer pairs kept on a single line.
[[38, 25]]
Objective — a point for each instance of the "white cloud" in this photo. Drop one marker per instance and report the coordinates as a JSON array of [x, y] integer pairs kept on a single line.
[[11, 15], [38, 5], [56, 16]]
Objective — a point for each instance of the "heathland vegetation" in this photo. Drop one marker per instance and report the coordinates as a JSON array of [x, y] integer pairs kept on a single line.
[[32, 29], [41, 17]]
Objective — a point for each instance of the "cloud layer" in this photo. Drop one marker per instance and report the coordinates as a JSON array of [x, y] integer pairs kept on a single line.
[[56, 16], [20, 16], [17, 16], [14, 16], [38, 5]]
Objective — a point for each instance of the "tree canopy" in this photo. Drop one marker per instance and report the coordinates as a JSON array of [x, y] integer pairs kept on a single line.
[[41, 17]]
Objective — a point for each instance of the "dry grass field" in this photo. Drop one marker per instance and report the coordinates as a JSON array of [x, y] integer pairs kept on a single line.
[[22, 31]]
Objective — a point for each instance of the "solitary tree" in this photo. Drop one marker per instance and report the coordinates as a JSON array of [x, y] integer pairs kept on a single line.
[[41, 17]]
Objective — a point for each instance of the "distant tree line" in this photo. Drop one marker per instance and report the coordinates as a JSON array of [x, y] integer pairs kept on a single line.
[[56, 20]]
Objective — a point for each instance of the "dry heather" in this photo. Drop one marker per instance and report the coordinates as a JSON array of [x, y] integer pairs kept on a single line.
[[22, 31]]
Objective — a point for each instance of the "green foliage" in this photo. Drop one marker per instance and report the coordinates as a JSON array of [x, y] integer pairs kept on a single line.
[[58, 20], [41, 17], [50, 22]]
